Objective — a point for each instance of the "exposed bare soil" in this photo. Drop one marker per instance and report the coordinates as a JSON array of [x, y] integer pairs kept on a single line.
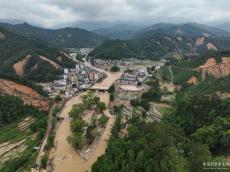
[[199, 41], [193, 80], [27, 94], [8, 151], [19, 66], [215, 69], [211, 46], [132, 88], [2, 36]]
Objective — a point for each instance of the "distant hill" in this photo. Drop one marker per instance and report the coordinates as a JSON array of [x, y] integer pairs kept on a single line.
[[225, 26], [166, 41], [121, 31], [12, 21], [187, 29], [30, 58], [65, 37]]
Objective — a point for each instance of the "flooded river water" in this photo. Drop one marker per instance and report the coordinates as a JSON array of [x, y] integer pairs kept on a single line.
[[66, 159]]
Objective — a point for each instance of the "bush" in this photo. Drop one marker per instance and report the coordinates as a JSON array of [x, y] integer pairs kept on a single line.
[[77, 141], [101, 106], [58, 98], [111, 97], [103, 120], [44, 161], [114, 69]]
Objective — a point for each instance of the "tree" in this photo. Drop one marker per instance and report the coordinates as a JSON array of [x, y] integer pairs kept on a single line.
[[44, 161], [135, 102], [114, 69], [58, 98], [152, 95], [91, 134], [111, 97], [101, 106], [77, 125], [103, 120], [96, 99], [198, 156], [76, 111], [88, 100], [139, 84], [112, 89], [76, 140]]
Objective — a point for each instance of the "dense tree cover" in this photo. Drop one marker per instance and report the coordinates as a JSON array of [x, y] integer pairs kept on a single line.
[[151, 147], [41, 73], [114, 69], [210, 86], [65, 37], [153, 94], [158, 146], [44, 161], [196, 131], [155, 43], [101, 106], [14, 48], [195, 111], [153, 82], [204, 119], [27, 157], [103, 120], [78, 125], [12, 108], [180, 75]]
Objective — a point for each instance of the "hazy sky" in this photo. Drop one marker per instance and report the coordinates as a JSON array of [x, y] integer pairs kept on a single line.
[[60, 13]]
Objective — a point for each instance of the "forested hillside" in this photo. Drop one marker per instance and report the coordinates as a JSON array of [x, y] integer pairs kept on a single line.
[[30, 58], [23, 126], [121, 31], [65, 37], [166, 41], [203, 123], [200, 117]]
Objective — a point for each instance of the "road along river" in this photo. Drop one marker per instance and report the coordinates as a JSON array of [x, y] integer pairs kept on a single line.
[[66, 159]]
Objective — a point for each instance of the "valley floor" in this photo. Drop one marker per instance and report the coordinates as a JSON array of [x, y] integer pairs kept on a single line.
[[64, 156]]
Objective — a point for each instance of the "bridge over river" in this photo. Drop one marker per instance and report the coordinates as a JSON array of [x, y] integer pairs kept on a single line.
[[64, 156]]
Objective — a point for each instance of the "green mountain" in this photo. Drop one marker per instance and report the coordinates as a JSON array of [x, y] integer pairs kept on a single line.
[[121, 31], [187, 29], [65, 37], [166, 40], [30, 58]]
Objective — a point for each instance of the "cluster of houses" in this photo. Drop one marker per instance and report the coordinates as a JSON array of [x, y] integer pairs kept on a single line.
[[99, 62], [128, 63], [133, 77], [73, 80]]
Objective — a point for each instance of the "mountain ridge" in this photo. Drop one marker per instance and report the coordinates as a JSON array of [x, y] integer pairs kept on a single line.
[[19, 52], [120, 31], [63, 37], [166, 41]]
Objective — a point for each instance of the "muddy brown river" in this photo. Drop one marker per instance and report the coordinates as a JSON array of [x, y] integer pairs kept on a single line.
[[66, 159]]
